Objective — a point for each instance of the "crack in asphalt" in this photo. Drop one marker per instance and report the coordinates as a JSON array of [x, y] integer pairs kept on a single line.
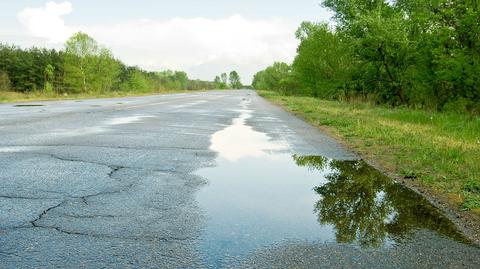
[[34, 222], [86, 197], [107, 147], [65, 159], [90, 216], [114, 170], [25, 197], [103, 236], [111, 166]]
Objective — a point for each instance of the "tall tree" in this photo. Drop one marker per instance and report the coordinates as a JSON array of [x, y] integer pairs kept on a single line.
[[49, 77], [224, 78], [234, 79], [80, 49], [89, 66]]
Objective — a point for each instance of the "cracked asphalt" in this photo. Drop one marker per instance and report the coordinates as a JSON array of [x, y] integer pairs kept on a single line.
[[110, 183]]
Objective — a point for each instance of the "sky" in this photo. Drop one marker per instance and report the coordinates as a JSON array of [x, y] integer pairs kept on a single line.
[[202, 37]]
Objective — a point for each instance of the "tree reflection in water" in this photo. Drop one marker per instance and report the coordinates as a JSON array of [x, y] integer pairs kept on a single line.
[[367, 207]]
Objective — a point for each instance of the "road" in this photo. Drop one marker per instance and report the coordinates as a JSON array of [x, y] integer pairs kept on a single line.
[[117, 183]]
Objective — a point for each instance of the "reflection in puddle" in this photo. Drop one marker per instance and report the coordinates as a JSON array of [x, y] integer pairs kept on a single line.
[[240, 140], [366, 207], [126, 120], [258, 196]]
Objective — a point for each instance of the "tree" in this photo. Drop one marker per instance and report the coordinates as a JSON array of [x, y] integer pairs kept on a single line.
[[49, 77], [324, 61], [182, 79], [224, 78], [419, 53], [80, 49], [277, 77], [234, 79], [89, 66], [4, 81], [219, 84]]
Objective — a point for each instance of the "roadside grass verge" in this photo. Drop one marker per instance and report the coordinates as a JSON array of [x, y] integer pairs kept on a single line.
[[10, 97], [438, 151]]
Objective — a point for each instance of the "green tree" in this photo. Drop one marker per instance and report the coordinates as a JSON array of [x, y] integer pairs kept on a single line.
[[80, 50], [234, 79], [5, 84], [219, 83], [324, 61], [49, 78], [277, 77], [224, 78], [88, 66]]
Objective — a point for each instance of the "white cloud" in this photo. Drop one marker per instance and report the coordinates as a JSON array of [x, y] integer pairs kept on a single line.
[[47, 22], [201, 46]]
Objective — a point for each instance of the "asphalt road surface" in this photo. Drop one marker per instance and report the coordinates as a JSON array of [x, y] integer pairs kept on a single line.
[[113, 183]]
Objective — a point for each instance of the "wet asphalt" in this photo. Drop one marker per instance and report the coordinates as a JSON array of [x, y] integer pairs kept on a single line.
[[112, 183]]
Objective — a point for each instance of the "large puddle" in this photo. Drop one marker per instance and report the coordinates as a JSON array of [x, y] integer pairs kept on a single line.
[[259, 195]]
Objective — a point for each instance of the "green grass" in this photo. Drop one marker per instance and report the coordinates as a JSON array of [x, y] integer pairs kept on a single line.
[[9, 97], [440, 151]]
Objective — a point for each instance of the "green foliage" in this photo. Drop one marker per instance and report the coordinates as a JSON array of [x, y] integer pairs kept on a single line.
[[473, 186], [219, 82], [277, 77], [324, 60], [25, 68], [84, 67], [88, 66], [417, 53], [5, 83], [49, 76], [224, 78], [234, 79]]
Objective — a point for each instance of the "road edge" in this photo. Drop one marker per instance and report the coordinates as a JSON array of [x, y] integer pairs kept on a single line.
[[464, 221]]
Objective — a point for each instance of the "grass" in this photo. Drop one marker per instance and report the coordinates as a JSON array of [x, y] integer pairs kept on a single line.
[[439, 151], [9, 97]]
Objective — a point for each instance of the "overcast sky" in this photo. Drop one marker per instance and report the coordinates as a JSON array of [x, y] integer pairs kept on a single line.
[[202, 37]]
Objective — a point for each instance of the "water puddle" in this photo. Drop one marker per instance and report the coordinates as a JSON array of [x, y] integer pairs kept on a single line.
[[126, 120], [259, 196], [29, 105]]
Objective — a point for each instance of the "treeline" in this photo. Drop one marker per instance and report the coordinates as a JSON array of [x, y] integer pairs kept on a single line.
[[416, 53], [231, 81], [83, 67]]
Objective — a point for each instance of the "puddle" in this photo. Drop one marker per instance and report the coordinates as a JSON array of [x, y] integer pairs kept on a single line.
[[30, 105], [240, 140], [259, 195], [126, 120]]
